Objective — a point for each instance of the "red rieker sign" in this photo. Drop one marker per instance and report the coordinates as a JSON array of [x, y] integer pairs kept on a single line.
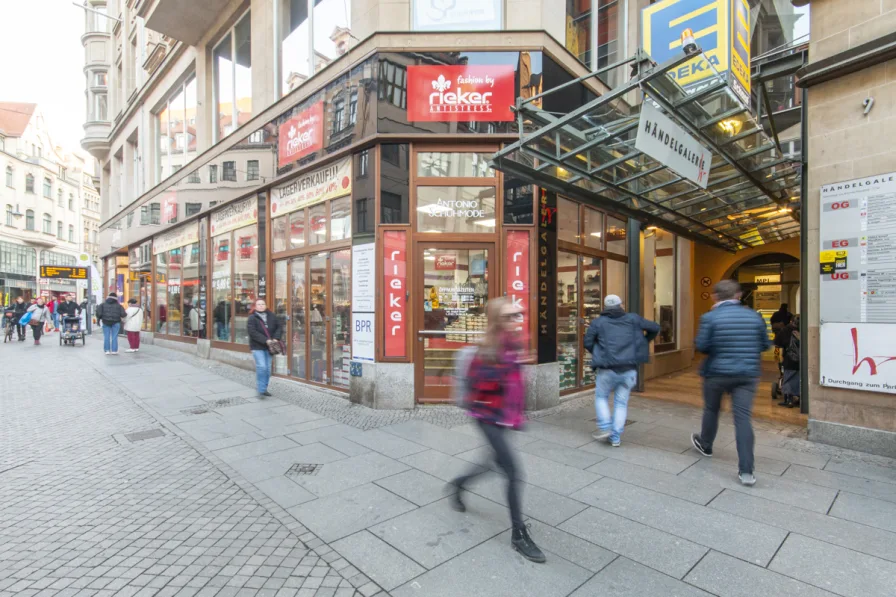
[[396, 278], [460, 93], [517, 278], [302, 134]]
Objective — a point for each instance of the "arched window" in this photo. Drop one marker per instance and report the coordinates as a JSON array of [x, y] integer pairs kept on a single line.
[[9, 212], [48, 224], [9, 179], [29, 219], [29, 183], [59, 198], [48, 188], [71, 233], [58, 228]]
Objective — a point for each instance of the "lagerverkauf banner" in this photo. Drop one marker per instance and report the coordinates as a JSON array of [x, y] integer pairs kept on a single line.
[[309, 189], [301, 135], [235, 215], [461, 93]]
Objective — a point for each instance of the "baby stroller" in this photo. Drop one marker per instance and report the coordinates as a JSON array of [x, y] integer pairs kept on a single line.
[[72, 330]]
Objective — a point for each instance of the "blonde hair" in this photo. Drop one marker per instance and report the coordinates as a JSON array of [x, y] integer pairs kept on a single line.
[[490, 347]]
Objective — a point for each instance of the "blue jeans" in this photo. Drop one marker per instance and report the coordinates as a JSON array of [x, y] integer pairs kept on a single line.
[[110, 337], [55, 320], [262, 370], [621, 385], [222, 331]]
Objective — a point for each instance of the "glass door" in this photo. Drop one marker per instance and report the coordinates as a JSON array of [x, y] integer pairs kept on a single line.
[[453, 292], [568, 326], [592, 302], [298, 342]]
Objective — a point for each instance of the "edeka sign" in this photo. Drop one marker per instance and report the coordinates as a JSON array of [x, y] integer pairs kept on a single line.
[[300, 135], [740, 50], [395, 276], [517, 277], [669, 144], [461, 93], [236, 215], [858, 356], [309, 189]]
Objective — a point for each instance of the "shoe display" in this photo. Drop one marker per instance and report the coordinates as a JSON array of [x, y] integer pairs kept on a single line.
[[524, 544]]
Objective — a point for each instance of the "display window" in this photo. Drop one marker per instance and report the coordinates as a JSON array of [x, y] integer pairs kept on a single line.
[[661, 284], [586, 273], [180, 289], [140, 281]]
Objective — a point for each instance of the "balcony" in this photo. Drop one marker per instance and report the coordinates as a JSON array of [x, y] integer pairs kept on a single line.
[[186, 22], [96, 138]]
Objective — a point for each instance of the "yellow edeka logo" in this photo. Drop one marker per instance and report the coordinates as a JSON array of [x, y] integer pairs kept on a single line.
[[740, 49], [664, 22]]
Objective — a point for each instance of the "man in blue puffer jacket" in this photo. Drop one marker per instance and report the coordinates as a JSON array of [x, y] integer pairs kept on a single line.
[[618, 343], [732, 337]]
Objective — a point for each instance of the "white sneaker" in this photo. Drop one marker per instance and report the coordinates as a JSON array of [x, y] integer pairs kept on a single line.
[[116, 352], [107, 352], [130, 350]]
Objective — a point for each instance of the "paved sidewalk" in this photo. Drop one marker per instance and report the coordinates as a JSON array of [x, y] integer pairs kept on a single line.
[[307, 494]]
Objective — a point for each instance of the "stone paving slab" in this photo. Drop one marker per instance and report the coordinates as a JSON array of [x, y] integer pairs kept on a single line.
[[385, 565], [350, 472], [654, 548], [675, 485], [660, 460], [491, 568], [867, 487], [548, 507], [833, 568], [729, 577], [866, 510], [435, 437], [858, 537], [625, 578], [416, 486], [862, 470]]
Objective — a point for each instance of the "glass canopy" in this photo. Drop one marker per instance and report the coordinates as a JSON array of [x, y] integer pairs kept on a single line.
[[754, 182]]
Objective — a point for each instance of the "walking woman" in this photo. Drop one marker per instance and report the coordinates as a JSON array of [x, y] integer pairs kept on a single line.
[[133, 323], [40, 316], [495, 397]]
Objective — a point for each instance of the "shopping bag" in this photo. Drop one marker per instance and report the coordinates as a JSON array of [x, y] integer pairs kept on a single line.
[[26, 318]]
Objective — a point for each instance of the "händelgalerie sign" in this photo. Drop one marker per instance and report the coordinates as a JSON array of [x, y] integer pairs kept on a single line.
[[309, 189], [669, 144]]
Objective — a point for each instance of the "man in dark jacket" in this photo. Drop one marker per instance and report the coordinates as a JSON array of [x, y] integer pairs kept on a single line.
[[780, 318], [733, 337], [618, 343], [262, 326], [788, 340], [68, 307], [110, 313], [19, 308]]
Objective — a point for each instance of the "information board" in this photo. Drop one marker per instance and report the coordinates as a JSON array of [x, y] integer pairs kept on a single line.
[[857, 263], [64, 273]]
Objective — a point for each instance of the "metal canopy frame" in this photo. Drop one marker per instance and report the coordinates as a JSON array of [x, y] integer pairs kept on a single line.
[[754, 186]]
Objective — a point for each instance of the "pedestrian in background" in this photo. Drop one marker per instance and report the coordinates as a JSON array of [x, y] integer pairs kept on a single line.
[[495, 396], [19, 308], [788, 340], [264, 340], [40, 316], [51, 305], [780, 318], [733, 338], [618, 343], [110, 314], [133, 323]]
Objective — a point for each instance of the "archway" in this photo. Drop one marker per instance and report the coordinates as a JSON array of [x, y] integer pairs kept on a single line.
[[768, 281]]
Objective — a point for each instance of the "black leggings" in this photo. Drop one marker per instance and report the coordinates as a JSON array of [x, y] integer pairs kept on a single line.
[[37, 330], [497, 438]]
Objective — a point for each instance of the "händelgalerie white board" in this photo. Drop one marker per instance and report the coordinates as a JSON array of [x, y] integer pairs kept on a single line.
[[670, 145]]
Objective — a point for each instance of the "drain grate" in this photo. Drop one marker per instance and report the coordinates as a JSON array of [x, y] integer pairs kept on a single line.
[[300, 469], [213, 405], [139, 436]]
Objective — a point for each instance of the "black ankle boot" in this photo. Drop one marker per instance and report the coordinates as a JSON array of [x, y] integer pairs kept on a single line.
[[455, 500], [788, 402], [523, 543]]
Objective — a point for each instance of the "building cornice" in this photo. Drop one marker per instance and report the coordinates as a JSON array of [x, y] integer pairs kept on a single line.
[[849, 61]]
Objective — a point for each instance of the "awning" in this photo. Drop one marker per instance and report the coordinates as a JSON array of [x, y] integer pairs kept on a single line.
[[590, 154]]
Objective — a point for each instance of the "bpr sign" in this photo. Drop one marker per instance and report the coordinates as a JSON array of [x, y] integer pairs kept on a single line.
[[669, 144]]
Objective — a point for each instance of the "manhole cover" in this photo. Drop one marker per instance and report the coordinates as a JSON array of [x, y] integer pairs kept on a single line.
[[139, 436], [300, 469]]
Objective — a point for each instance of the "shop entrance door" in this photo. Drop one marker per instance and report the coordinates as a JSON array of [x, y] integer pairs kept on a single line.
[[452, 293]]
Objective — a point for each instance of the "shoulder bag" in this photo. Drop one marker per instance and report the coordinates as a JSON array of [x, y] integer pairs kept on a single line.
[[275, 346]]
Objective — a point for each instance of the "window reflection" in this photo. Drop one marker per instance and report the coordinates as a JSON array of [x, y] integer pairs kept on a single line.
[[221, 287], [341, 319], [317, 318], [245, 278], [456, 209], [233, 77]]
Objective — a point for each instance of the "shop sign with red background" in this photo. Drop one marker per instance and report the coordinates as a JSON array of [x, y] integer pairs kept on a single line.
[[395, 275], [461, 93], [300, 135], [517, 278], [446, 262]]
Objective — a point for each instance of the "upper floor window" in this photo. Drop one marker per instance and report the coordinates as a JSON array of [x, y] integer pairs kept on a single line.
[[213, 173], [584, 32], [9, 177], [252, 170], [71, 202], [393, 85], [29, 183], [96, 18], [48, 224], [233, 78], [338, 116], [229, 171], [59, 198], [176, 139], [48, 188], [309, 42], [29, 220], [58, 228], [71, 233], [10, 219]]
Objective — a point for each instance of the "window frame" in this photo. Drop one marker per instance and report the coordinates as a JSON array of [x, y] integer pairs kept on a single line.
[[48, 188], [29, 183], [47, 224], [10, 177], [29, 220], [217, 133], [165, 108]]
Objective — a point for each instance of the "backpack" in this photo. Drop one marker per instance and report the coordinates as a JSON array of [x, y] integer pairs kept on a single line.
[[460, 392], [792, 352]]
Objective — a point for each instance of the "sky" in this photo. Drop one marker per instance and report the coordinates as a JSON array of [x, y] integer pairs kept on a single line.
[[42, 55]]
